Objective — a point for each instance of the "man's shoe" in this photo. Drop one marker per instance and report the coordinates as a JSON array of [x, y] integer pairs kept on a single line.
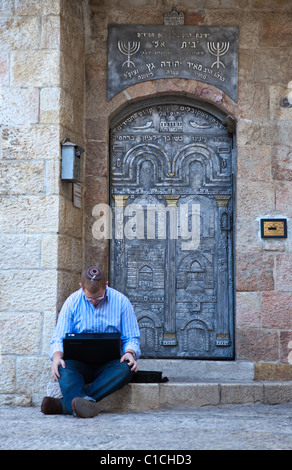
[[84, 408], [51, 406]]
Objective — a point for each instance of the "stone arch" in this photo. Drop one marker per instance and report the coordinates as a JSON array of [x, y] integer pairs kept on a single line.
[[201, 94]]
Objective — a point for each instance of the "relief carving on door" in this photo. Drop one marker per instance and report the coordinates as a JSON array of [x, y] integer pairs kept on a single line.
[[172, 199]]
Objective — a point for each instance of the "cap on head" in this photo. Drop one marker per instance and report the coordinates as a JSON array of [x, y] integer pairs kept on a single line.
[[93, 279], [93, 273]]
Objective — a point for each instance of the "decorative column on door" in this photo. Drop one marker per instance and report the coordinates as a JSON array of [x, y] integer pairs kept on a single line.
[[169, 335], [224, 225], [119, 240]]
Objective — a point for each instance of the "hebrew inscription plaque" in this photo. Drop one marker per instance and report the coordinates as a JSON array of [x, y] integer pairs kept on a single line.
[[171, 252], [204, 53]]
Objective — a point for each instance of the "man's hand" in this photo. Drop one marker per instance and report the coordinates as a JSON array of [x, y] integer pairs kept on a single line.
[[57, 361], [130, 360]]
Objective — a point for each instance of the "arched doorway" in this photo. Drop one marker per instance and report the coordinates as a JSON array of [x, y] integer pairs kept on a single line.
[[172, 250]]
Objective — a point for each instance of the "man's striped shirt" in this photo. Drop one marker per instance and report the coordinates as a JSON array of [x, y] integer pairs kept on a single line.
[[114, 314]]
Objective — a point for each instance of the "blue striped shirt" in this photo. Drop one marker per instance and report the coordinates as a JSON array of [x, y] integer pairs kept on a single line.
[[114, 314]]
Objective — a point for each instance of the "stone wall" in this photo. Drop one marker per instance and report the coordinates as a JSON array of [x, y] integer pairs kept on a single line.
[[41, 100], [263, 280], [51, 53]]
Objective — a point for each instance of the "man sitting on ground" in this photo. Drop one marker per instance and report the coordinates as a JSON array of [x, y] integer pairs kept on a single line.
[[94, 308]]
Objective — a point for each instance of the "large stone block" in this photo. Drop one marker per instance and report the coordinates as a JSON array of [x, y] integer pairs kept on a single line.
[[192, 395], [20, 250], [31, 142], [144, 397], [9, 399], [275, 31], [70, 219], [19, 106], [20, 333], [275, 393], [247, 235], [33, 290], [27, 379], [4, 69], [72, 74], [254, 163], [254, 199], [254, 272], [71, 112], [37, 7], [277, 310], [283, 198], [51, 32], [52, 180], [35, 68], [27, 214], [7, 373], [248, 310], [49, 323], [7, 7], [62, 252], [96, 129], [257, 345], [68, 282], [253, 99], [269, 371], [282, 163], [49, 250], [20, 33], [22, 178], [50, 103], [284, 272], [273, 65], [241, 393]]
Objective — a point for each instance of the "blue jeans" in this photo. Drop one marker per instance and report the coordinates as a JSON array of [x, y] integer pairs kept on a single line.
[[103, 380]]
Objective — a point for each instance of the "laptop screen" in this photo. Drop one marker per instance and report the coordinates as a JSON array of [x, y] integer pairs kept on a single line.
[[92, 347]]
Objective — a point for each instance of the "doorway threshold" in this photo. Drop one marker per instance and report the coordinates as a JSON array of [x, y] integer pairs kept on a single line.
[[192, 371]]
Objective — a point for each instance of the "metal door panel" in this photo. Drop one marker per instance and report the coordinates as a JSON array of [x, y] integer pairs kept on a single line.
[[171, 172]]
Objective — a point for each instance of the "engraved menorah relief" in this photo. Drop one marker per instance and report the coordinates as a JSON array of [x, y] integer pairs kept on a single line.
[[218, 50], [128, 49]]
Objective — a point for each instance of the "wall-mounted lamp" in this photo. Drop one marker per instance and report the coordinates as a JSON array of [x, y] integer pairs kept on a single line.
[[71, 161]]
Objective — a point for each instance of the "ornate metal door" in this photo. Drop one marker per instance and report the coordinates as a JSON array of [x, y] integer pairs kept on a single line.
[[171, 247]]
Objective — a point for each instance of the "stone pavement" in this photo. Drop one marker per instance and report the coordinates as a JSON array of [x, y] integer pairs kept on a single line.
[[222, 427]]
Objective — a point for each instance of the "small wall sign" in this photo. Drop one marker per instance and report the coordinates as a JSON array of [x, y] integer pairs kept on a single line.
[[274, 228], [77, 195]]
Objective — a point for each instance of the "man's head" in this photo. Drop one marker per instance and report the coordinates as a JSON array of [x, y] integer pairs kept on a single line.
[[93, 283]]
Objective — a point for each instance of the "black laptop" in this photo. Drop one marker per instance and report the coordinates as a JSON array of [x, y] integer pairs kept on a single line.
[[92, 347]]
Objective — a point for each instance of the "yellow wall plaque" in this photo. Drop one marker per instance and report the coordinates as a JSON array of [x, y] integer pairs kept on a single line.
[[274, 228]]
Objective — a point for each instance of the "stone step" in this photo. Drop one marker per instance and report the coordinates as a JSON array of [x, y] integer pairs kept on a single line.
[[184, 370], [154, 396], [194, 383]]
